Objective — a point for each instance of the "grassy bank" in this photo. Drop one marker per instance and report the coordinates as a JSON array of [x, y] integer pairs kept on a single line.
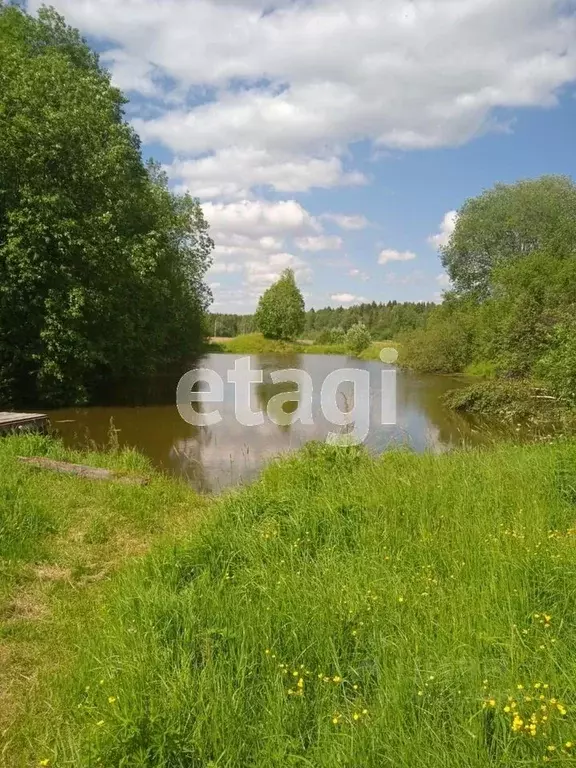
[[61, 540], [521, 402], [343, 611], [256, 344]]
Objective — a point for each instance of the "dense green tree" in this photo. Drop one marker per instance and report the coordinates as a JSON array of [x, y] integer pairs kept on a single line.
[[509, 222], [517, 321], [281, 313], [101, 266]]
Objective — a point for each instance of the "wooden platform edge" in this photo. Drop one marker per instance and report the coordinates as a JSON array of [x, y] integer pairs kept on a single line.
[[15, 422]]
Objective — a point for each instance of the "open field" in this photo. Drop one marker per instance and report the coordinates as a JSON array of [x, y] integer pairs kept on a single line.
[[411, 610], [256, 344]]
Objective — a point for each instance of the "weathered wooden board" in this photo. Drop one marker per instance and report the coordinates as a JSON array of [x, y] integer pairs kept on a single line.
[[80, 470], [13, 422]]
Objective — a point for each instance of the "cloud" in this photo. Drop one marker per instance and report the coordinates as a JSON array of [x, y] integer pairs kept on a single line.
[[250, 243], [358, 273], [389, 254], [267, 270], [320, 243], [295, 82], [347, 298], [222, 267], [347, 222], [259, 218], [447, 228], [232, 172]]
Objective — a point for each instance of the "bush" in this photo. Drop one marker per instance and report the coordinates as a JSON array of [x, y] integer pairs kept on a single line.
[[557, 368], [357, 339]]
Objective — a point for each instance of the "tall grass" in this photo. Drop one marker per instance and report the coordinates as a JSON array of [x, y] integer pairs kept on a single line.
[[410, 611]]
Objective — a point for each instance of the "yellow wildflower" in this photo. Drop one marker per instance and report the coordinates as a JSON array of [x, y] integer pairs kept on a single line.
[[45, 761], [517, 723], [111, 699]]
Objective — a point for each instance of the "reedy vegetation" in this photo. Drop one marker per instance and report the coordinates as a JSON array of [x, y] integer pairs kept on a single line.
[[406, 611]]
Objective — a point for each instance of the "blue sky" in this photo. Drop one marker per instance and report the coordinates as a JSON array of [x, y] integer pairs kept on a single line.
[[337, 136]]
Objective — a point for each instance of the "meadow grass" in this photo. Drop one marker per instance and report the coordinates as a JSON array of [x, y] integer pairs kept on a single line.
[[410, 610], [256, 344], [61, 539]]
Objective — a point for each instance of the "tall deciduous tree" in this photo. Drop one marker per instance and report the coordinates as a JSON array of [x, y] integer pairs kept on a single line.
[[509, 222], [101, 266], [280, 313]]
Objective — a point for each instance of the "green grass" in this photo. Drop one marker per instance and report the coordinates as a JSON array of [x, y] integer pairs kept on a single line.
[[256, 344], [61, 540], [342, 611]]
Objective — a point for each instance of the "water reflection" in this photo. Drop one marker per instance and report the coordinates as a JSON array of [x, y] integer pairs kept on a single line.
[[214, 457]]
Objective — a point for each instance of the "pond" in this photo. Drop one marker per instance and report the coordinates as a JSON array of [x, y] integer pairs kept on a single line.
[[212, 457]]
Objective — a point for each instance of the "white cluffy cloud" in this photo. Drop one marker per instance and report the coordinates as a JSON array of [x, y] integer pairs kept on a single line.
[[259, 218], [232, 172], [256, 93], [388, 254], [320, 243], [447, 227], [347, 298], [251, 238], [347, 222]]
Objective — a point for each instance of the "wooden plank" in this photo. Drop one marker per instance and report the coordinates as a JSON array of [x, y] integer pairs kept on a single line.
[[10, 421], [8, 417], [80, 470]]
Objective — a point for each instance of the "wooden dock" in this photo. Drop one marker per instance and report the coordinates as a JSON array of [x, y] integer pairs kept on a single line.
[[22, 422]]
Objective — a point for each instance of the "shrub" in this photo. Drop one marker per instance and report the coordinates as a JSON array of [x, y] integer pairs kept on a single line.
[[357, 339]]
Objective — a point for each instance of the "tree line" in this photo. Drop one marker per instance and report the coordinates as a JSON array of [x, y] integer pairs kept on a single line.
[[383, 320], [101, 265]]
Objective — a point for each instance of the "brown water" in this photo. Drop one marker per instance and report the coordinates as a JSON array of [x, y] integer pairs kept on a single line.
[[213, 457]]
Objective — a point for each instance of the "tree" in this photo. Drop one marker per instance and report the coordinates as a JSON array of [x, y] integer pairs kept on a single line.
[[509, 222], [101, 266], [281, 313], [357, 339]]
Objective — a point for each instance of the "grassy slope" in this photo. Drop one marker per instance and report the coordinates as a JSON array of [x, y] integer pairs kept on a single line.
[[256, 344], [61, 538], [343, 611]]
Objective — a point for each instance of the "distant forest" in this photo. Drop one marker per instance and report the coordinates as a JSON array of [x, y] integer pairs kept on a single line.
[[384, 321]]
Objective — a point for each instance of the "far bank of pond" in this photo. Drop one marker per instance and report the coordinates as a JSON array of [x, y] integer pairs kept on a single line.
[[214, 457]]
